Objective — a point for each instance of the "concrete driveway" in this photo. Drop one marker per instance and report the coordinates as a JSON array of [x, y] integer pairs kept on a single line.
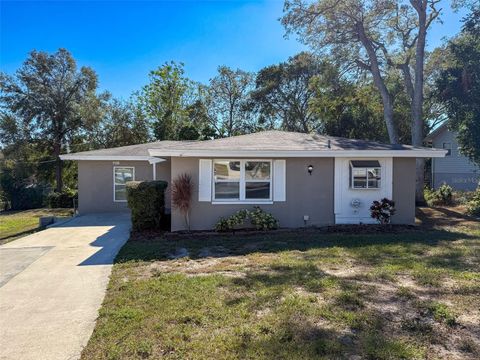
[[52, 284]]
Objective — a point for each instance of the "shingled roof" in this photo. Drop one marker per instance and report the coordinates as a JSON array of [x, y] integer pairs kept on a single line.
[[268, 143]]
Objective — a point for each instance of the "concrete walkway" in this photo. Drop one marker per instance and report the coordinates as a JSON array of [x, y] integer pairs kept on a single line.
[[52, 284]]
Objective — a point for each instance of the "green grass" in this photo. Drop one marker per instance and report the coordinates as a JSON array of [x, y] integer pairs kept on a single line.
[[17, 223], [300, 295]]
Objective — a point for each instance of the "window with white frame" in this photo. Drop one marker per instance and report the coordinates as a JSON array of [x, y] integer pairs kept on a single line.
[[242, 180], [122, 174], [365, 174]]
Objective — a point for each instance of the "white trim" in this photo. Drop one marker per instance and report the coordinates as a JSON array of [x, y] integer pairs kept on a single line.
[[154, 168], [426, 153], [205, 180], [110, 157], [229, 202], [242, 181], [280, 180], [121, 167]]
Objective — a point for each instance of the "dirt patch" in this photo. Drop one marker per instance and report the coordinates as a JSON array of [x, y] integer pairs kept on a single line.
[[444, 217]]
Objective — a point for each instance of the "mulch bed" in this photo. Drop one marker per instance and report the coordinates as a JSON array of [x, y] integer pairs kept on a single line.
[[150, 235]]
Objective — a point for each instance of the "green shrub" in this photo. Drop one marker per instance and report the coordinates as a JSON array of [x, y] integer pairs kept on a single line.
[[146, 200], [232, 222], [260, 219], [64, 199], [473, 206], [27, 198], [442, 196], [463, 197]]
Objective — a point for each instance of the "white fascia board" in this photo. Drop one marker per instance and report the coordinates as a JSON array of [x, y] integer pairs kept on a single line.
[[110, 157], [301, 153]]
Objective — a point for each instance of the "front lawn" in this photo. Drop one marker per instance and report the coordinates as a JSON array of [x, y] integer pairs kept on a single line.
[[17, 223], [413, 294]]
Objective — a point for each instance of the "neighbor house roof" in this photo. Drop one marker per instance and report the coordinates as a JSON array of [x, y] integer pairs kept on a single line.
[[434, 133], [268, 143]]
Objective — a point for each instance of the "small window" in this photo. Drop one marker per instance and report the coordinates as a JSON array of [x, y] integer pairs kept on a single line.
[[365, 174], [448, 147], [120, 177]]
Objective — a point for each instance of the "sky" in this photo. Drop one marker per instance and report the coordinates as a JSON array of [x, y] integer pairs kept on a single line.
[[124, 40]]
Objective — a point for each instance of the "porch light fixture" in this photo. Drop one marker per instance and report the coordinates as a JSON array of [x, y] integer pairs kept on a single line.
[[310, 169]]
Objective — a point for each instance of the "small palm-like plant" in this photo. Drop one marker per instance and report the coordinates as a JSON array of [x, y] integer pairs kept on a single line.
[[182, 191]]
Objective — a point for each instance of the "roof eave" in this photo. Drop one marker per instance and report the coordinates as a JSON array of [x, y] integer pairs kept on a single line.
[[107, 157], [414, 153]]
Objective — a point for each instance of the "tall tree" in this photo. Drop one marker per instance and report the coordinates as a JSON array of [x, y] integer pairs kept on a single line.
[[459, 86], [46, 95], [122, 123], [228, 101], [283, 93], [375, 36], [165, 98]]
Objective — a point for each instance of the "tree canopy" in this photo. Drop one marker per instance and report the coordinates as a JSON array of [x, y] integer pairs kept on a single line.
[[45, 99], [459, 86]]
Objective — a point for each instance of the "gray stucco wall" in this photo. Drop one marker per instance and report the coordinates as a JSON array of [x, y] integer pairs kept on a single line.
[[404, 190], [306, 195], [95, 183]]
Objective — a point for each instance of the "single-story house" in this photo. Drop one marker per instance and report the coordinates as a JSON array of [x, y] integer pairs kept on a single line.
[[454, 169], [302, 179]]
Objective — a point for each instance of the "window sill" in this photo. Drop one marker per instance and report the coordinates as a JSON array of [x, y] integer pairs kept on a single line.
[[351, 188], [268, 202]]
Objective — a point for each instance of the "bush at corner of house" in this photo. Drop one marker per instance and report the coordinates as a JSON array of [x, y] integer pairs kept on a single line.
[[64, 199], [442, 196], [383, 210], [146, 200], [262, 220], [473, 206]]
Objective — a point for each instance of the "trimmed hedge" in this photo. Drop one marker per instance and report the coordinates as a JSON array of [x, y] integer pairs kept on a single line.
[[146, 200], [27, 198], [61, 200]]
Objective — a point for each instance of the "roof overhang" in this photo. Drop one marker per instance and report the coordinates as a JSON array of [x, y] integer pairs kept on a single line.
[[437, 131], [414, 153], [150, 159]]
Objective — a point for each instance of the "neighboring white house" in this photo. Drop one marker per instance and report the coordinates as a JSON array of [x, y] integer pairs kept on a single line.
[[454, 169]]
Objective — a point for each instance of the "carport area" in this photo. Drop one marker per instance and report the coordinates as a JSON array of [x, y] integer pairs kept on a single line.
[[52, 284]]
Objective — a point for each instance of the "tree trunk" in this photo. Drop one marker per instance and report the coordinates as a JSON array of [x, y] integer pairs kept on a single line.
[[379, 82], [417, 100], [58, 167], [388, 116]]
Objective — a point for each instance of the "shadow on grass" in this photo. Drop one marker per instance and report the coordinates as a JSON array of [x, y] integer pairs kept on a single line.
[[440, 216]]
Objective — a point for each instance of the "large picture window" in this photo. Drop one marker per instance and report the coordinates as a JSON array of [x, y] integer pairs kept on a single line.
[[365, 174], [242, 180], [120, 177]]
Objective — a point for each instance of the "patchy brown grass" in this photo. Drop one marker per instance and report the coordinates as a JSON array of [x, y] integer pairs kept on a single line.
[[297, 295]]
